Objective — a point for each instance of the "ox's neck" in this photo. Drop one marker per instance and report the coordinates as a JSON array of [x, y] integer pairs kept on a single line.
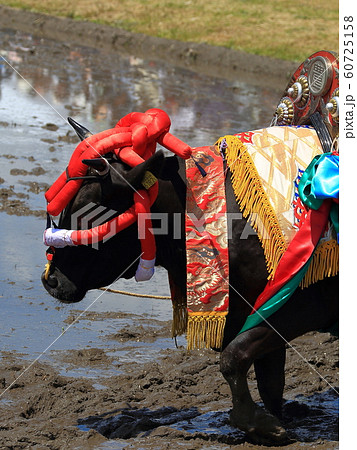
[[170, 219]]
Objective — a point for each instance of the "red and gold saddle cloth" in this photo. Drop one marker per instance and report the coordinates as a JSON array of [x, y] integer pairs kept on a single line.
[[206, 249]]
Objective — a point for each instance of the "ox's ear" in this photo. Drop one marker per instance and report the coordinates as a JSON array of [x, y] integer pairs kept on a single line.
[[154, 165], [100, 165]]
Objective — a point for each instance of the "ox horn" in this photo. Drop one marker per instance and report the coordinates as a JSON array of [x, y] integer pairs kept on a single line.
[[81, 131]]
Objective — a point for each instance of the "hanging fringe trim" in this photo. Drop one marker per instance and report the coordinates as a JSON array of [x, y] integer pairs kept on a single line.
[[179, 318], [254, 202], [325, 263], [255, 206], [179, 308], [205, 330]]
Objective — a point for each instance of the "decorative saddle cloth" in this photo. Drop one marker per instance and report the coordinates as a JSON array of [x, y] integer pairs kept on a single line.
[[266, 166], [206, 249]]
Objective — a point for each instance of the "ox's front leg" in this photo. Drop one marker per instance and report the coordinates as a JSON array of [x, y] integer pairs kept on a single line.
[[260, 426]]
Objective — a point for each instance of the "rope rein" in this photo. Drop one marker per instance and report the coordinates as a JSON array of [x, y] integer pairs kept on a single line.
[[116, 291], [133, 294]]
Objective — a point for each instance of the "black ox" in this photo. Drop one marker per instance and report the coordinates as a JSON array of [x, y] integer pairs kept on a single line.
[[75, 270]]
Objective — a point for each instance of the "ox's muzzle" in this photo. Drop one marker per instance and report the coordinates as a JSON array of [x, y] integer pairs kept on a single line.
[[60, 287]]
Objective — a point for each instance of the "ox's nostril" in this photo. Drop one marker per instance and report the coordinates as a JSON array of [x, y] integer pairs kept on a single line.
[[52, 281]]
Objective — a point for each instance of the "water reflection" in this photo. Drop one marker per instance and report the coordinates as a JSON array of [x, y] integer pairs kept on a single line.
[[101, 88]]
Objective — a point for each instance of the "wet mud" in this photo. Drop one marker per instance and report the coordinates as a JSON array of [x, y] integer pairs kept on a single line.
[[114, 379], [178, 399]]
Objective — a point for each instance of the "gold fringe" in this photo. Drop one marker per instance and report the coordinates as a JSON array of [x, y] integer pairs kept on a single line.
[[325, 263], [254, 202], [179, 318], [205, 330]]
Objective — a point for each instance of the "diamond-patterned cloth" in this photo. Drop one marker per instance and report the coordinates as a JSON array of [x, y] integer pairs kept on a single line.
[[266, 166]]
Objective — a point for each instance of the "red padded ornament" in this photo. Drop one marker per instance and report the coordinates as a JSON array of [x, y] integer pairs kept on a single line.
[[147, 129], [106, 230], [62, 191], [133, 140]]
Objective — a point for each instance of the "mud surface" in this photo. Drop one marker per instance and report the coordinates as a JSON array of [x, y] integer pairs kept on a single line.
[[178, 400], [105, 373]]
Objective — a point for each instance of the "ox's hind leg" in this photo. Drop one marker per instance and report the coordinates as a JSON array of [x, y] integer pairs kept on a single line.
[[270, 374], [261, 426], [309, 310]]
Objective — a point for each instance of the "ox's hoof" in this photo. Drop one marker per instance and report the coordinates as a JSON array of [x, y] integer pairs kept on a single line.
[[260, 427]]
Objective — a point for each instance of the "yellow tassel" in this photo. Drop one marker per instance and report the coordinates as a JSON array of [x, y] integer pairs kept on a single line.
[[325, 263], [254, 202], [205, 330]]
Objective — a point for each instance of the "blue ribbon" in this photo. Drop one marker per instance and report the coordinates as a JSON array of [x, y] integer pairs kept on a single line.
[[319, 182]]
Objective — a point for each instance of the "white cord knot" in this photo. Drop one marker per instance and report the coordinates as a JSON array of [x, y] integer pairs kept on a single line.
[[145, 270], [57, 237]]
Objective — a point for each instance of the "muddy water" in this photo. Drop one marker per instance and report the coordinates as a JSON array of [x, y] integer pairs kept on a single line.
[[114, 342]]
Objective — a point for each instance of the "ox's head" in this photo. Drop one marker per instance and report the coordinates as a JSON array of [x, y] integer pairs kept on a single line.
[[107, 191]]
